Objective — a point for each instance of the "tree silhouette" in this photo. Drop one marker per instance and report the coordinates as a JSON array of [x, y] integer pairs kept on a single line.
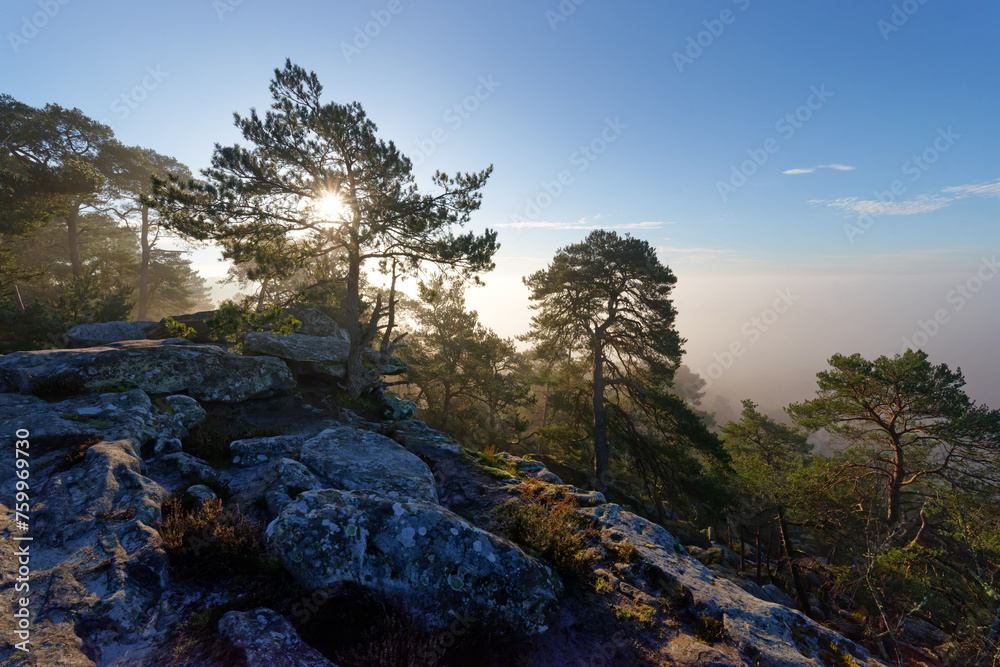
[[608, 297], [314, 180]]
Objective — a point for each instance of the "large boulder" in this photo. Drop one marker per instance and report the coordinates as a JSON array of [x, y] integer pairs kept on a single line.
[[256, 451], [102, 333], [264, 638], [316, 323], [315, 356], [356, 460], [420, 555], [203, 372]]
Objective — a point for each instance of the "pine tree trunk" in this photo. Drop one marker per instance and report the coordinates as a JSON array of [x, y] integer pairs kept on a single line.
[[756, 543], [146, 254], [391, 322], [786, 539], [356, 380], [742, 551], [601, 449], [72, 223], [895, 491]]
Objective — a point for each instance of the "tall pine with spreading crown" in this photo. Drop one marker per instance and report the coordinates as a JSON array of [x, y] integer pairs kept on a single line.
[[313, 180]]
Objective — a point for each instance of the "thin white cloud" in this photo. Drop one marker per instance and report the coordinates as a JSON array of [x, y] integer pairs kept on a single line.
[[581, 225], [921, 204], [982, 190], [855, 206], [809, 170]]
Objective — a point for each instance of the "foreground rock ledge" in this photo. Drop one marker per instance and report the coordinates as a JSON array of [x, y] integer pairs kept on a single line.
[[203, 372], [429, 559]]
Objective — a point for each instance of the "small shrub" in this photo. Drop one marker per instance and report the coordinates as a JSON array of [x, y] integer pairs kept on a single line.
[[625, 552], [640, 616], [117, 515], [178, 329], [708, 629], [549, 524], [79, 444], [209, 541], [490, 461], [602, 587], [395, 641], [232, 322]]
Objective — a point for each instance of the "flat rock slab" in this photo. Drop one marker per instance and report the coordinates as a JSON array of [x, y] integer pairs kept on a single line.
[[355, 460], [297, 347], [264, 638], [434, 562], [203, 372], [102, 333]]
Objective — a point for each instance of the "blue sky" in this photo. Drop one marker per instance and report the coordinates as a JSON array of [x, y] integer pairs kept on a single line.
[[690, 113]]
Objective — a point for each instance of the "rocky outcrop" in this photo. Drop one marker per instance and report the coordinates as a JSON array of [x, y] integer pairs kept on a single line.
[[315, 323], [393, 509], [263, 638], [765, 632], [363, 461], [203, 372], [432, 561], [312, 355], [102, 333], [97, 568]]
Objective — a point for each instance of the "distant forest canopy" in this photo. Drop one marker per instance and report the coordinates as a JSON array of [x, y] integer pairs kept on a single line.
[[78, 245], [903, 517]]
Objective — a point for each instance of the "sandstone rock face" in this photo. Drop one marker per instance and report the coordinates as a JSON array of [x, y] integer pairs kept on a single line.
[[316, 323], [772, 634], [102, 333], [397, 408], [97, 566], [297, 347], [433, 561], [363, 461], [411, 432], [315, 356], [264, 638], [255, 451], [187, 411], [203, 372]]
